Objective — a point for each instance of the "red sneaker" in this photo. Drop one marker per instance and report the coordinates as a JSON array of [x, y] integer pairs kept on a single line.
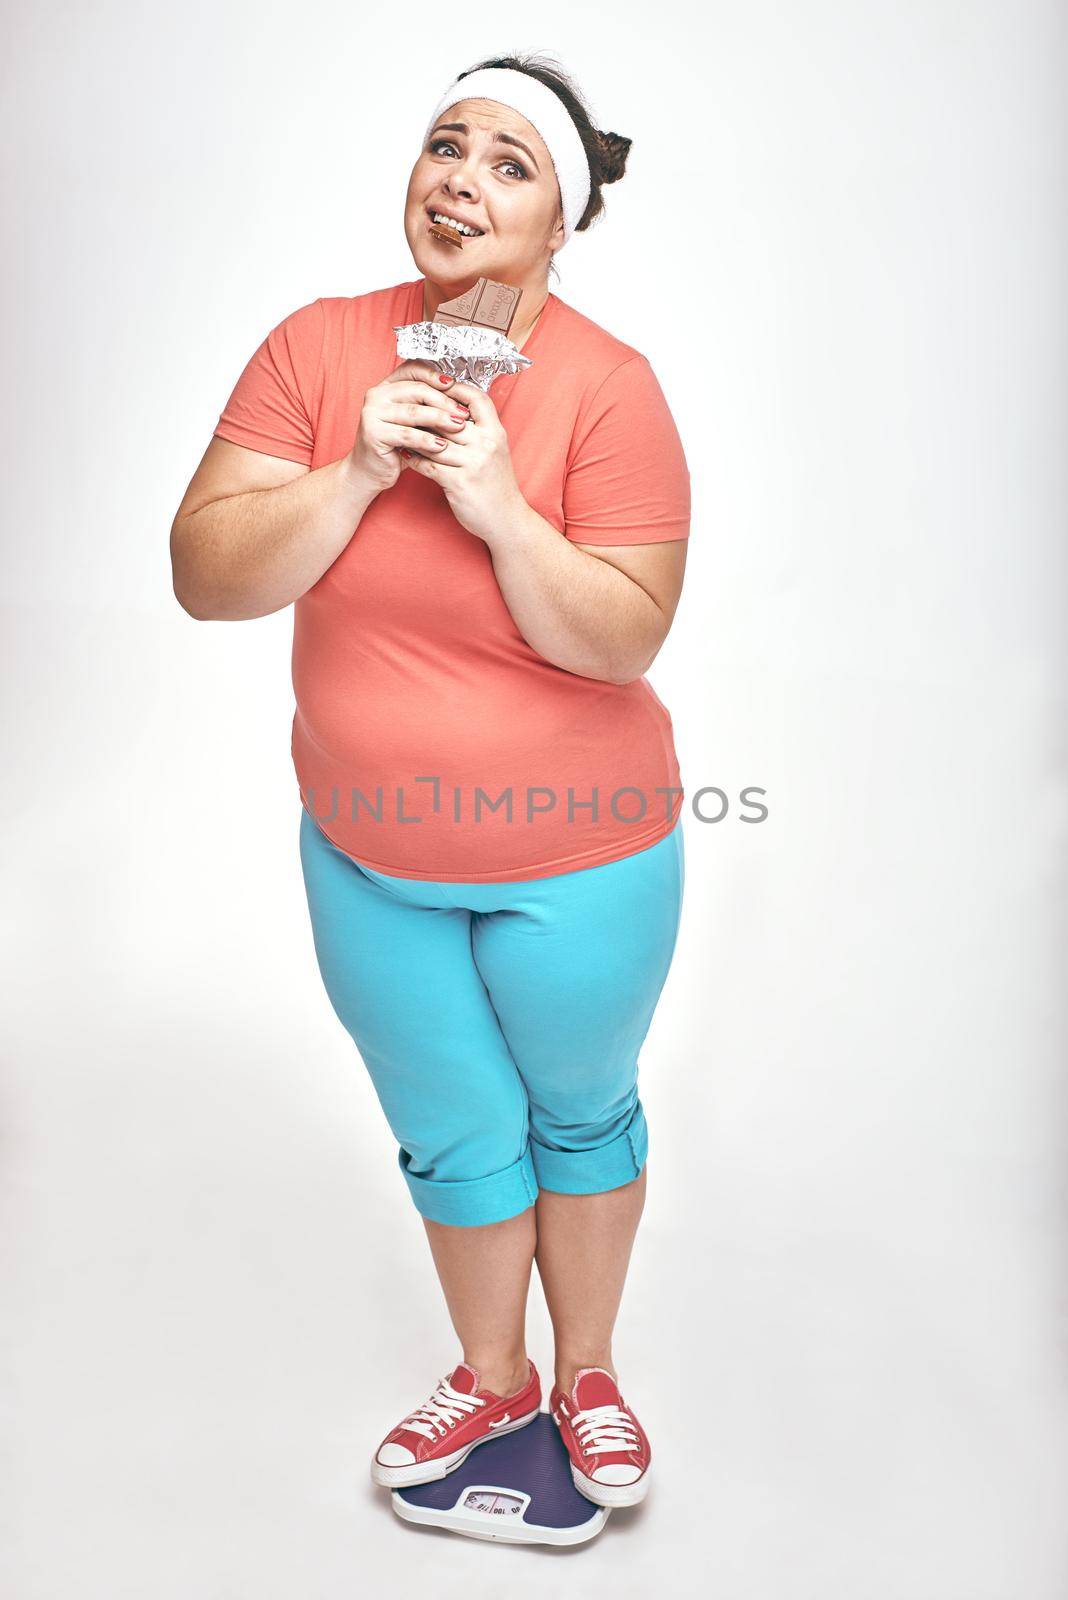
[[609, 1451], [459, 1415]]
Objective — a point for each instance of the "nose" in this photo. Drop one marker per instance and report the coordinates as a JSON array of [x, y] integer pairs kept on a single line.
[[462, 180]]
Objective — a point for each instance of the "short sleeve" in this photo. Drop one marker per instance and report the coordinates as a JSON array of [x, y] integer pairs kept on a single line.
[[273, 403], [627, 479]]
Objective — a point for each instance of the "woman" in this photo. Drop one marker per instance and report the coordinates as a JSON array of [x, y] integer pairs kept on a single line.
[[490, 833]]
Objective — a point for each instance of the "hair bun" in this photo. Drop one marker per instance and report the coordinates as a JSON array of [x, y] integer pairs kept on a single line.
[[612, 149]]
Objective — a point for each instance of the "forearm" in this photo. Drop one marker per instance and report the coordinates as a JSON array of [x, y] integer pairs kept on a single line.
[[251, 554], [578, 612]]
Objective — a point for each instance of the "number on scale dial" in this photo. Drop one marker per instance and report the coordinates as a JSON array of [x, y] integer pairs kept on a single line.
[[494, 1502]]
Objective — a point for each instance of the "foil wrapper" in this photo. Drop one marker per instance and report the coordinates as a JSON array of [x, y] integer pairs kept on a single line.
[[464, 351]]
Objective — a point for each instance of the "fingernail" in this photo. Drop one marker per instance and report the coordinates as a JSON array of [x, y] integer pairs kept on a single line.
[[443, 377], [439, 444], [458, 416]]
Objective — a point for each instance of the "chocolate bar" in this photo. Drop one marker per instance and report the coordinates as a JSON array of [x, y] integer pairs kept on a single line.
[[450, 235], [486, 305]]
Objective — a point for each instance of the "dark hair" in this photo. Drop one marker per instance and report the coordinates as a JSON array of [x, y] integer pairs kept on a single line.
[[605, 152]]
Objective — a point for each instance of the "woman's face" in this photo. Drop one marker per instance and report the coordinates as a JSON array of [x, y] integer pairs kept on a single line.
[[474, 170]]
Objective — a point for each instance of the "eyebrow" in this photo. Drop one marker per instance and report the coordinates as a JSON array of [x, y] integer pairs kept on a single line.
[[498, 138]]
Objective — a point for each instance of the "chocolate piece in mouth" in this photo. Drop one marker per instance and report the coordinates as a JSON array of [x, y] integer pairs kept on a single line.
[[450, 235], [487, 305]]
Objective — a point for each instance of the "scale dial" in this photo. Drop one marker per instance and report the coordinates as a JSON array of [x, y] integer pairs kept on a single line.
[[493, 1502]]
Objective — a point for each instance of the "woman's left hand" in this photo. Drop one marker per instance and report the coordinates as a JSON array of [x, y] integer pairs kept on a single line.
[[475, 468]]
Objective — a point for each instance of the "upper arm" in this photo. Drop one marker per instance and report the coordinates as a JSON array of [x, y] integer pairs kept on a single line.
[[265, 435], [627, 489], [227, 469], [656, 568]]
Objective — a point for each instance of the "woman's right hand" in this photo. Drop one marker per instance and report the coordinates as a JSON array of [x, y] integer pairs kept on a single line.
[[409, 410]]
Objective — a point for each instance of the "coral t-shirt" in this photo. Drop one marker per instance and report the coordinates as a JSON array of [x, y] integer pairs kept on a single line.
[[430, 740]]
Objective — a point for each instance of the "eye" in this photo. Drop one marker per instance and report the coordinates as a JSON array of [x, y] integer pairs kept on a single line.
[[436, 145]]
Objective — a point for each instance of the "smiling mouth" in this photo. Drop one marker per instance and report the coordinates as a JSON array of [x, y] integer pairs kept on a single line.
[[453, 228]]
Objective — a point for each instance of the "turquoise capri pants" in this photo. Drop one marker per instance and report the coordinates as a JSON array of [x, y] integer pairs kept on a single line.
[[500, 1022]]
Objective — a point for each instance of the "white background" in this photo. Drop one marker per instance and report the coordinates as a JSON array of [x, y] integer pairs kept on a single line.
[[841, 243]]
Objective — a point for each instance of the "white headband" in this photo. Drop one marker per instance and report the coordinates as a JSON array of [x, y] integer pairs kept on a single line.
[[545, 112]]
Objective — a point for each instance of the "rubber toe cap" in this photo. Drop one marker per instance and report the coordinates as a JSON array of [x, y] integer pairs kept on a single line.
[[619, 1472], [398, 1455]]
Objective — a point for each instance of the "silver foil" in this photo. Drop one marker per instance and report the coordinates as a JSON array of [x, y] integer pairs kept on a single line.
[[466, 352]]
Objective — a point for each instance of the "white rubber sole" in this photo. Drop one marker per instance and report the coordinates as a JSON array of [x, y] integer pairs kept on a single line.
[[611, 1494], [431, 1471]]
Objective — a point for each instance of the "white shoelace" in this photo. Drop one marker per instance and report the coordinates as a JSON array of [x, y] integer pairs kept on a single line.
[[603, 1429], [446, 1406]]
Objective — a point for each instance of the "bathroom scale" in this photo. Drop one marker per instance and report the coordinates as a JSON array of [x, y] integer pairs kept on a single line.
[[517, 1489]]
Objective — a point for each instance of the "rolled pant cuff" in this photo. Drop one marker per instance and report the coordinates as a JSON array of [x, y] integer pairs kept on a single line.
[[470, 1202], [609, 1166]]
